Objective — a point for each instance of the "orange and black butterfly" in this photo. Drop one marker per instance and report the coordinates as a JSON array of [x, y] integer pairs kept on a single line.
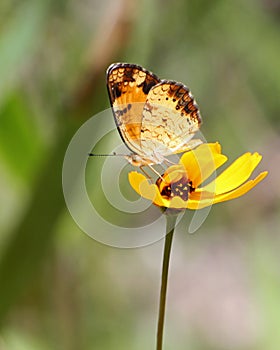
[[155, 118]]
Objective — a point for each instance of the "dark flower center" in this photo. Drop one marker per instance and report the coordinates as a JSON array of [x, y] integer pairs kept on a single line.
[[181, 188]]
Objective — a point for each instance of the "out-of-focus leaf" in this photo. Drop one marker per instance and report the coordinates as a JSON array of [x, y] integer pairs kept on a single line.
[[20, 142], [18, 39], [32, 239], [34, 235], [256, 52], [15, 340]]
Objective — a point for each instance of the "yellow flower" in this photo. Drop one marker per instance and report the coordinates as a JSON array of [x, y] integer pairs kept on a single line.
[[182, 186]]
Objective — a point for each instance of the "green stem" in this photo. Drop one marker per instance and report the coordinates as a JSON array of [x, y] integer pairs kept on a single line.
[[170, 226]]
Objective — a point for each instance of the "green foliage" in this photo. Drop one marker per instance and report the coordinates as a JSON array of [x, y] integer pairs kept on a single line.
[[20, 141]]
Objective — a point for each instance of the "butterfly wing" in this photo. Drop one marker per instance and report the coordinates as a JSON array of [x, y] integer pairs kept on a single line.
[[128, 86], [170, 119]]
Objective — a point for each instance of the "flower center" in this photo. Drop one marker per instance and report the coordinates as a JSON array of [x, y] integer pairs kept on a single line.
[[180, 188]]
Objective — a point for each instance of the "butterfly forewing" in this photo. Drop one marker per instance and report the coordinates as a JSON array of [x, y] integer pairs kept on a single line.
[[128, 87]]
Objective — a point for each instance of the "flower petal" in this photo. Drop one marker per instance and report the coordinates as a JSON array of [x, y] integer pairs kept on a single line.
[[145, 189], [177, 203], [135, 180], [202, 162], [204, 199], [235, 175]]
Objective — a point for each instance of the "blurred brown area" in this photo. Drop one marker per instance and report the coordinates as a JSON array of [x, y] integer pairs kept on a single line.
[[60, 289]]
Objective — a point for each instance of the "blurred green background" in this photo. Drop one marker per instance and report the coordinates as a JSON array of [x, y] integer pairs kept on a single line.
[[60, 289]]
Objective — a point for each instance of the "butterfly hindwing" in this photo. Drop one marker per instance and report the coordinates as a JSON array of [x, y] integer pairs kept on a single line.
[[170, 119], [128, 87]]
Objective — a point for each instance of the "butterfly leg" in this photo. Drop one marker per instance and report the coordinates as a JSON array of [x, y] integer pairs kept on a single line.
[[156, 172], [168, 162], [144, 172]]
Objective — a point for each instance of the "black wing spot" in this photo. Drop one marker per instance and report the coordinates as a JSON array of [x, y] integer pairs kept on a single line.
[[187, 110], [128, 75], [117, 90], [147, 86]]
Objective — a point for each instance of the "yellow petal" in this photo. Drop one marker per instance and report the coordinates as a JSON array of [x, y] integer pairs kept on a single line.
[[135, 180], [145, 189], [202, 162], [235, 175], [208, 199], [240, 190], [177, 203]]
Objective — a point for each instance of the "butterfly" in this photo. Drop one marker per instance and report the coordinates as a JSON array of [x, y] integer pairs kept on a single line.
[[155, 118]]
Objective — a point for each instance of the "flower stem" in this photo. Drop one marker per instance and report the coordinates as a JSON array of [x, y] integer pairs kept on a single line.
[[170, 226]]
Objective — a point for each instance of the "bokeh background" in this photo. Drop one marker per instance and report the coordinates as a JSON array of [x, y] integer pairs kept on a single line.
[[60, 289]]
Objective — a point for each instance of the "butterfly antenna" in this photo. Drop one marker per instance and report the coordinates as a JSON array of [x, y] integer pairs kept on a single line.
[[106, 155]]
